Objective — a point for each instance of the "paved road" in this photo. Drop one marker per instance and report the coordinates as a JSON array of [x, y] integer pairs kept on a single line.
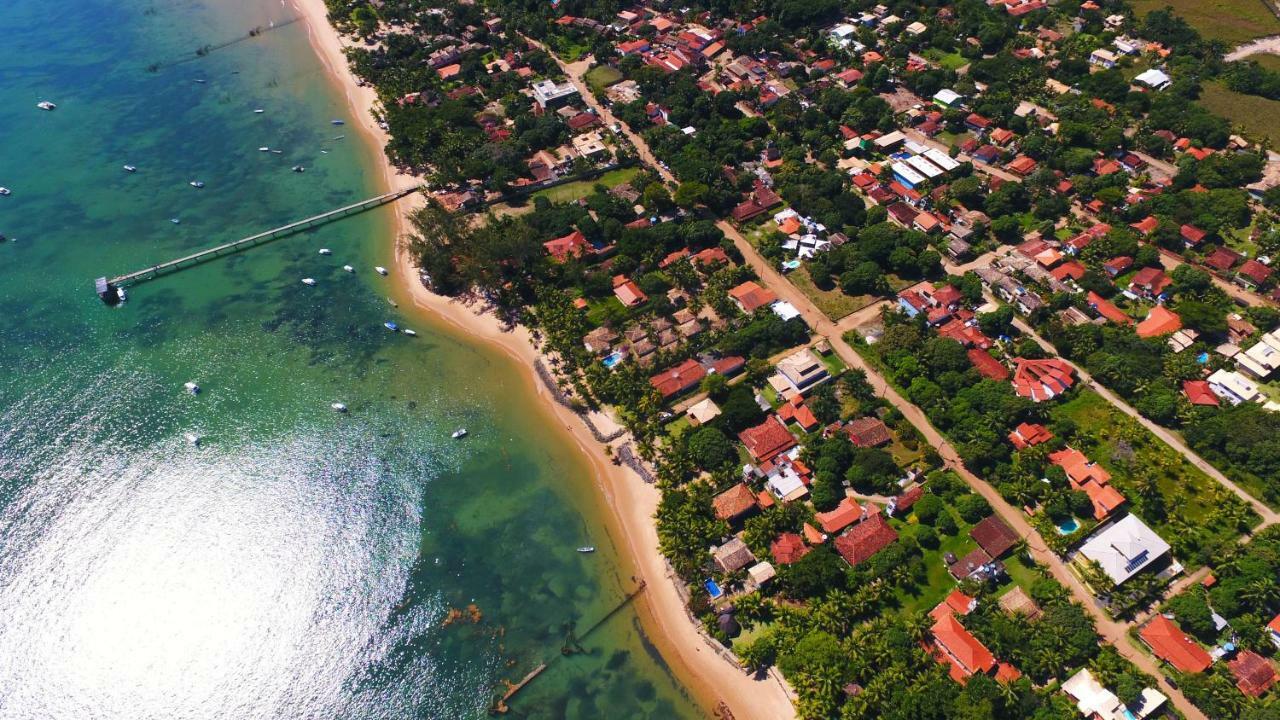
[[1269, 516], [1242, 296]]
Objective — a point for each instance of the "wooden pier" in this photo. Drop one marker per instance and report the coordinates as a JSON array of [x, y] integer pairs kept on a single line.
[[106, 288]]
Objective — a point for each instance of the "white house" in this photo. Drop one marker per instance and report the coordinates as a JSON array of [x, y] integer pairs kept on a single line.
[[1095, 701], [947, 97], [1233, 387], [1103, 57], [1154, 78], [1124, 548]]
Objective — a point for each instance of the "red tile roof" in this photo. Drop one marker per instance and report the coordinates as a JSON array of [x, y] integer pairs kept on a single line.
[[788, 548], [1173, 646], [681, 378], [1254, 673], [988, 366], [1106, 309], [1222, 259], [1160, 321], [961, 650], [994, 536], [751, 296], [904, 501], [1192, 234], [572, 245], [865, 539], [1147, 225], [1042, 379], [767, 439], [1255, 271], [1198, 392], [1150, 280], [845, 514], [734, 502], [868, 432], [1029, 434], [629, 294]]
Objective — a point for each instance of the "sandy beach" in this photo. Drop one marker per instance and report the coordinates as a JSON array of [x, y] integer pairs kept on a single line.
[[712, 679]]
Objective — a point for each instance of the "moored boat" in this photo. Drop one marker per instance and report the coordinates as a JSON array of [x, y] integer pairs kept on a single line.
[[309, 281], [191, 387], [130, 168], [391, 326], [348, 268], [380, 270], [459, 433], [587, 549], [46, 105], [338, 407], [326, 251]]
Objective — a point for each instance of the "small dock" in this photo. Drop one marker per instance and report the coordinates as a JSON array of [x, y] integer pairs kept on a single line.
[[570, 647], [107, 288]]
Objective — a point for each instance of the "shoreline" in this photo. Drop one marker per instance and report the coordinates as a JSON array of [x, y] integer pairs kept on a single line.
[[632, 503]]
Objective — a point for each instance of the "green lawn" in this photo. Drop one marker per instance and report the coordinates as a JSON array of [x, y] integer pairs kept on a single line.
[[602, 76], [1268, 61], [948, 61], [1232, 21], [1191, 499], [833, 303], [575, 190], [939, 582], [1258, 117]]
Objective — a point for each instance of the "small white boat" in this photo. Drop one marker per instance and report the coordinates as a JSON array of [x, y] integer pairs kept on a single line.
[[121, 294], [459, 433], [196, 184], [299, 168], [587, 549], [201, 82], [324, 152], [175, 221], [380, 270], [348, 268], [392, 303], [258, 111], [326, 251], [409, 332], [193, 438], [191, 387], [339, 407], [277, 152], [130, 168], [309, 281], [264, 148], [5, 191], [46, 105], [337, 122]]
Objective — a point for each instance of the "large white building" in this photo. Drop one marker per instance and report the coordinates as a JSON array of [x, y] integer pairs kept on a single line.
[[1096, 702], [1124, 548], [1234, 387]]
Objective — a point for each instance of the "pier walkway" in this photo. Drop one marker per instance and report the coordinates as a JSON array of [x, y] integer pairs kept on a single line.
[[187, 261]]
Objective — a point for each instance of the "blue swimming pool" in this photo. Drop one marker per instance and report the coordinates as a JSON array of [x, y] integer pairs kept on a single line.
[[713, 589], [613, 358], [1068, 526]]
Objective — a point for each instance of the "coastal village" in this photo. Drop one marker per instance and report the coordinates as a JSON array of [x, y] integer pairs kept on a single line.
[[948, 332]]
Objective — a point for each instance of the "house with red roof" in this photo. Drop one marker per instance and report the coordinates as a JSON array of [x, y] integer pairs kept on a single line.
[[987, 366], [1147, 225], [679, 379], [794, 410], [1253, 273], [1117, 265], [1170, 644], [1107, 310], [1160, 321], [1091, 479], [628, 293], [868, 431], [955, 646], [1021, 165], [957, 603], [1192, 235], [845, 514], [1041, 380], [1198, 392], [788, 548], [734, 503], [1029, 434], [1223, 259], [1254, 674], [767, 440], [750, 296], [570, 246], [865, 539], [1149, 283]]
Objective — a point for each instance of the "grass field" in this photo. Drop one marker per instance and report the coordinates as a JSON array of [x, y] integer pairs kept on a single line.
[[602, 76], [1191, 499], [833, 303], [1231, 21], [575, 190], [1258, 117], [1268, 61]]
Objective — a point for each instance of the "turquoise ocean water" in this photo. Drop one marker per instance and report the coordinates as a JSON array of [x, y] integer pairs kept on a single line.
[[298, 563]]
